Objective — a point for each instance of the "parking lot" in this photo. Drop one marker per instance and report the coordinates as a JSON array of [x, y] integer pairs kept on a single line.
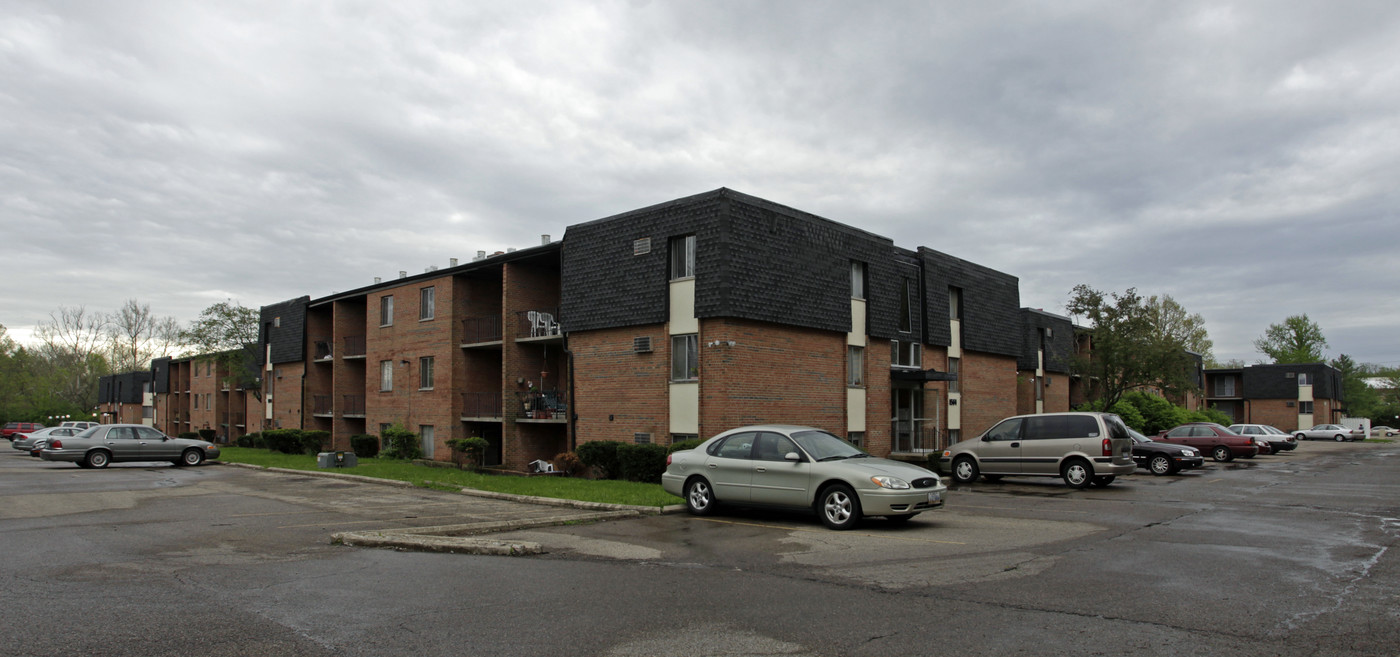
[[1285, 554]]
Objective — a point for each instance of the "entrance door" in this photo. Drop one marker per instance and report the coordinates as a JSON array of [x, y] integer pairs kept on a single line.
[[908, 407]]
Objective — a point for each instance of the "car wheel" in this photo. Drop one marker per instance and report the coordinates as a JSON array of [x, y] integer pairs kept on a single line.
[[1341, 438], [699, 499], [191, 457], [840, 508], [97, 459], [1077, 473], [1222, 453], [1300, 436], [965, 470], [1160, 465], [1101, 481]]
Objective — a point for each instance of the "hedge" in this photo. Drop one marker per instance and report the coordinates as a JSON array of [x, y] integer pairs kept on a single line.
[[365, 445], [601, 455], [642, 462]]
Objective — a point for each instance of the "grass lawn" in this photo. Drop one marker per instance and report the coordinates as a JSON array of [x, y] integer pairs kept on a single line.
[[567, 488]]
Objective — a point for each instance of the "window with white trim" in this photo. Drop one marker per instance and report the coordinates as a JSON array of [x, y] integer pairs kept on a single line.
[[386, 375], [855, 365], [425, 373], [682, 257], [857, 280], [427, 303], [904, 353], [386, 310], [685, 357]]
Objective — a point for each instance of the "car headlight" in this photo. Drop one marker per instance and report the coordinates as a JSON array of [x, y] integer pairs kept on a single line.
[[890, 482]]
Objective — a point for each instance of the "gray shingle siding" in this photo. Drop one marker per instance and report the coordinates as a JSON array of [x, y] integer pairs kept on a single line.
[[160, 375], [754, 260], [1273, 382], [288, 341], [1059, 349], [104, 389], [991, 304]]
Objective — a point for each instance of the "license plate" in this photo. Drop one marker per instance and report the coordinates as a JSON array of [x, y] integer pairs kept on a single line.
[[934, 498]]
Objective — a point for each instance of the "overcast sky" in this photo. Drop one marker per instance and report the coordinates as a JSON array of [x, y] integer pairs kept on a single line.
[[1243, 158]]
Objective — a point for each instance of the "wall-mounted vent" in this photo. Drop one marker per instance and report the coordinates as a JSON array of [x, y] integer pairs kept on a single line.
[[1289, 404], [641, 246], [641, 438], [1290, 375], [641, 344], [1049, 334]]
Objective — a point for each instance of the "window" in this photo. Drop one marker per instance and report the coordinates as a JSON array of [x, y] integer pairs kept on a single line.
[[425, 373], [737, 446], [196, 402], [685, 357], [954, 367], [955, 304], [277, 322], [682, 437], [1225, 386], [906, 354], [426, 308], [682, 257], [425, 433], [386, 310], [855, 366], [857, 280], [641, 438], [906, 312], [856, 438], [386, 375], [1305, 408], [1303, 379], [1008, 430], [773, 447]]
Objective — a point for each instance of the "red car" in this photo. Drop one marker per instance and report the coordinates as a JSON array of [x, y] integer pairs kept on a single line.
[[19, 427], [1211, 438]]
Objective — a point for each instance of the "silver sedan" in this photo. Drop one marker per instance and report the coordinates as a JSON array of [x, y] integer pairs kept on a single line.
[[26, 441], [114, 443], [1335, 432], [797, 467]]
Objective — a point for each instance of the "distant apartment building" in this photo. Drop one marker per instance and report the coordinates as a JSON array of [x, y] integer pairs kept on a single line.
[[1290, 397]]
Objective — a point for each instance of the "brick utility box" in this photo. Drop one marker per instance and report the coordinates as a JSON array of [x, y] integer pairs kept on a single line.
[[336, 460]]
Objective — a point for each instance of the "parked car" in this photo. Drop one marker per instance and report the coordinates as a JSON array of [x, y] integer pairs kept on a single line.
[[12, 428], [1221, 443], [1084, 449], [115, 443], [1383, 430], [1335, 432], [1163, 458], [79, 424], [1279, 441], [799, 468], [38, 448], [25, 441]]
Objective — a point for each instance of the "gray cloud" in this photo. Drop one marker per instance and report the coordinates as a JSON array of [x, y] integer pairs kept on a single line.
[[1239, 157]]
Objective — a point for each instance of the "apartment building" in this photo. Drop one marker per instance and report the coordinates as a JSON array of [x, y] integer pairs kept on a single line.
[[1290, 397], [125, 398], [1043, 368]]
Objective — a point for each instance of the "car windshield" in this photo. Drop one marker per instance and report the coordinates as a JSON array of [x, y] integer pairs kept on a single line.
[[822, 446]]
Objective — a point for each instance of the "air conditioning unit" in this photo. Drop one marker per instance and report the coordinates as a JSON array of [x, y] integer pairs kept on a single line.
[[641, 345], [1289, 404]]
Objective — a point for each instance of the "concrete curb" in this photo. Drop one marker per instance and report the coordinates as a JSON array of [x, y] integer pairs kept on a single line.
[[448, 544]]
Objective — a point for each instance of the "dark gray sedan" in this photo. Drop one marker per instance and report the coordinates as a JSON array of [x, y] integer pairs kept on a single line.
[[116, 443], [799, 468]]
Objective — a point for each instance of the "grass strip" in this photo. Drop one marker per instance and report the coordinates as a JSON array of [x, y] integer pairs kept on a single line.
[[558, 487]]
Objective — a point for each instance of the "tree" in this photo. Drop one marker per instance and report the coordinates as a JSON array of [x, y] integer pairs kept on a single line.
[[70, 357], [1361, 399], [1170, 320], [136, 336], [226, 332], [1128, 351], [1296, 340]]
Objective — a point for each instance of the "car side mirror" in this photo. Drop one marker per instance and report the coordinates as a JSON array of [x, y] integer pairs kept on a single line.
[[792, 456], [986, 438]]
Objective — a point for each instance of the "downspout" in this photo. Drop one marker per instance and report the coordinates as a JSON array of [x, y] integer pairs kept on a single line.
[[573, 399]]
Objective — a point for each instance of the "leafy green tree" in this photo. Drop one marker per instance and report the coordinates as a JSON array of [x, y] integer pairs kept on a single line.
[[227, 332], [1295, 340], [1361, 399], [1127, 349], [1172, 321]]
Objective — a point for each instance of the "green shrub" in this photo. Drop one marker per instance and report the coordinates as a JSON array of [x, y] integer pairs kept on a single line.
[[400, 443], [1158, 414], [1212, 415], [365, 445], [1129, 414], [471, 450], [189, 434], [286, 441], [208, 435], [642, 462], [685, 444], [601, 455], [316, 441], [249, 440]]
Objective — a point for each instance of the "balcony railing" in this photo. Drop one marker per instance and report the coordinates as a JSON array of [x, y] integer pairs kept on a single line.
[[354, 346], [321, 405], [481, 404], [352, 405], [541, 323], [323, 350], [481, 329], [917, 436], [546, 405]]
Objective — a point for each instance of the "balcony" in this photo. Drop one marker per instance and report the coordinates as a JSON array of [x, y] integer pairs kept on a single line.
[[918, 436], [479, 405], [352, 406], [481, 331], [323, 351], [321, 406], [538, 326], [546, 407], [354, 346]]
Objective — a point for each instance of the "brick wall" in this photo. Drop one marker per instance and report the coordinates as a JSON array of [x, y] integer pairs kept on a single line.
[[617, 392], [773, 374], [403, 344], [988, 391]]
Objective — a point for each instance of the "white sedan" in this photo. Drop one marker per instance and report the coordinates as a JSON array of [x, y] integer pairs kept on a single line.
[[1335, 432]]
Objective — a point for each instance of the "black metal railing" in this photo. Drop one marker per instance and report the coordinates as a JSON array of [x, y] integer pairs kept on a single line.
[[481, 404], [352, 405], [321, 405], [543, 405], [354, 345], [481, 329], [323, 350]]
